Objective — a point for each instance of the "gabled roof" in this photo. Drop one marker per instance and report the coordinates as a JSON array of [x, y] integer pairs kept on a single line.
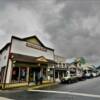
[[30, 37], [41, 58], [5, 47], [26, 38]]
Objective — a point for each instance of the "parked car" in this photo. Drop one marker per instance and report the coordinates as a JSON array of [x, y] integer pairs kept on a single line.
[[70, 78], [98, 73], [87, 74], [94, 74], [80, 76]]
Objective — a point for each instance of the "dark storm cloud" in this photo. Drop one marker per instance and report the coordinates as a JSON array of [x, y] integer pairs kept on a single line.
[[77, 30], [72, 27]]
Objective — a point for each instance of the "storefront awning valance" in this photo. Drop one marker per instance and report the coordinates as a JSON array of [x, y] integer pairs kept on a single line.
[[31, 59]]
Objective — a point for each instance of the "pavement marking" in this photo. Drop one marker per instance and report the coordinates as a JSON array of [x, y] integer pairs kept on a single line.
[[69, 93], [3, 98]]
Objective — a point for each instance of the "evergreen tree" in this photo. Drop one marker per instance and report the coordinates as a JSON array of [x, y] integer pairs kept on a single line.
[[82, 60]]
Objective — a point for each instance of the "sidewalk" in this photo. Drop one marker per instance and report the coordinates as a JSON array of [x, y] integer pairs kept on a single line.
[[45, 85], [3, 98], [26, 86]]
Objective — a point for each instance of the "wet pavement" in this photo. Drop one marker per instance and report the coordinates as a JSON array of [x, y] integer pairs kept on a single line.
[[83, 90]]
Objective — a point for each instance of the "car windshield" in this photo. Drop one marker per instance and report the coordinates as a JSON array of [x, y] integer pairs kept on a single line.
[[69, 73]]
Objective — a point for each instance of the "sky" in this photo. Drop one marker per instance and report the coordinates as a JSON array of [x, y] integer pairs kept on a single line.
[[71, 27]]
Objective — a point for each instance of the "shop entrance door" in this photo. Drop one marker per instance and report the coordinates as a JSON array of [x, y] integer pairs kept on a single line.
[[32, 73]]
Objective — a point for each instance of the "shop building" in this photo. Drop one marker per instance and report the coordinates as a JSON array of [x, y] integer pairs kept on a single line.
[[24, 59], [61, 67], [74, 67]]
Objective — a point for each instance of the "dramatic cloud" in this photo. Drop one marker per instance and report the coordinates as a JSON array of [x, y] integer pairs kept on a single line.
[[21, 21], [72, 27]]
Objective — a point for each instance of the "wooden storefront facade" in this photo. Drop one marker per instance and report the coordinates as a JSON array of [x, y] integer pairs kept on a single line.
[[26, 58]]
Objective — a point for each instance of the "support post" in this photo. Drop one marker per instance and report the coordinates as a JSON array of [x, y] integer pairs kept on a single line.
[[19, 75], [53, 73], [27, 77]]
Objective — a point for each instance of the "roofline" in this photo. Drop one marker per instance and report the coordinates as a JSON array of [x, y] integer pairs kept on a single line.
[[5, 46], [17, 38], [30, 37], [60, 56], [39, 41], [23, 39]]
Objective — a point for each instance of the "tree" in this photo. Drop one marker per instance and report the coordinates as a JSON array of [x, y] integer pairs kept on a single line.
[[82, 60]]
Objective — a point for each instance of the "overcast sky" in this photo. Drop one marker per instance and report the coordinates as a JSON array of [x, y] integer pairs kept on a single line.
[[71, 27]]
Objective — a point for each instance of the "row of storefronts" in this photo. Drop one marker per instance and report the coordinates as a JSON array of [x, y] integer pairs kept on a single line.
[[26, 59], [60, 68]]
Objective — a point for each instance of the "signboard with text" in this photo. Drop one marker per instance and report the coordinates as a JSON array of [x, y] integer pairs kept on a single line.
[[38, 47]]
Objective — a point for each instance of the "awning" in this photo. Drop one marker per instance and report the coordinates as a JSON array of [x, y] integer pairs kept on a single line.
[[31, 59]]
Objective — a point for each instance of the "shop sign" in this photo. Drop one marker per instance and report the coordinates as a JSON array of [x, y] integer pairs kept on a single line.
[[35, 46]]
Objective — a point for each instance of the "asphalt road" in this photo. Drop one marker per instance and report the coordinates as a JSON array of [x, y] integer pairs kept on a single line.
[[83, 90]]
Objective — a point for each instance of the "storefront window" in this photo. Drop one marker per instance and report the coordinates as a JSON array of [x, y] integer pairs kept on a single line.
[[60, 74], [33, 73], [65, 74], [56, 74], [60, 65], [44, 73], [2, 74], [15, 73], [23, 71], [73, 71]]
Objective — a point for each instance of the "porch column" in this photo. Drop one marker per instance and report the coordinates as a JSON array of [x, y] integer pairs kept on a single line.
[[8, 78], [63, 74], [19, 75], [48, 71], [41, 72], [58, 75], [53, 73], [27, 76]]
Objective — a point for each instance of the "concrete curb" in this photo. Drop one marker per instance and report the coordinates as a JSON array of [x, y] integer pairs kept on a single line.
[[42, 86]]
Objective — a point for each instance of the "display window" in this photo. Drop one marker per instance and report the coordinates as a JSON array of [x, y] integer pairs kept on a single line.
[[23, 72], [44, 73], [2, 74], [56, 74], [15, 73]]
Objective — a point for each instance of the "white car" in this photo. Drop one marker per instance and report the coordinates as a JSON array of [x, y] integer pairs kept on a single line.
[[94, 74], [88, 75], [69, 78]]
